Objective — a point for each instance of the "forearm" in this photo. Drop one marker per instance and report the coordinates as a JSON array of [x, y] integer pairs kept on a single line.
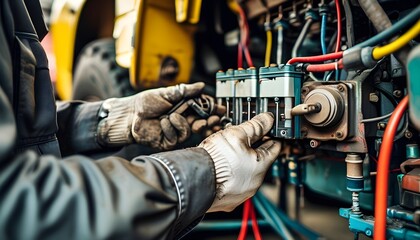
[[151, 197], [77, 126]]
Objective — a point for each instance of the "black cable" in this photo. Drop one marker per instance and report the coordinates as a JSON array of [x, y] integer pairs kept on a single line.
[[387, 95], [349, 23]]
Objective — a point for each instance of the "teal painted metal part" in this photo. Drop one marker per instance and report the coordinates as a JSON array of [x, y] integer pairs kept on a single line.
[[412, 151], [225, 225], [400, 213], [364, 225], [298, 84], [413, 70]]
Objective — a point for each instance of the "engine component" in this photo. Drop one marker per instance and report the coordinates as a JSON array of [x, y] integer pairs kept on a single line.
[[331, 122]]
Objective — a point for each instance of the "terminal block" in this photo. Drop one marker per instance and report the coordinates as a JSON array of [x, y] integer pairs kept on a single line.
[[238, 90], [280, 93]]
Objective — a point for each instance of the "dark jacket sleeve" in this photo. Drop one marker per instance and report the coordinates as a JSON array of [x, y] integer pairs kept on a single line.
[[151, 197], [77, 126]]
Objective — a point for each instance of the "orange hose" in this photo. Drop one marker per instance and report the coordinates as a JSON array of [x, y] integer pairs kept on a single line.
[[381, 192]]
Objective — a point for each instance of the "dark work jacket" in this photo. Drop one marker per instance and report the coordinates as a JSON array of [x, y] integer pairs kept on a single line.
[[45, 197]]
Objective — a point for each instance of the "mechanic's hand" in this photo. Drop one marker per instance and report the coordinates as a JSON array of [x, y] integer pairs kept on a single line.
[[240, 168], [142, 118]]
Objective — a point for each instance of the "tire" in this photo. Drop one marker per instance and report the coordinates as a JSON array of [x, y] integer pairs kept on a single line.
[[97, 75]]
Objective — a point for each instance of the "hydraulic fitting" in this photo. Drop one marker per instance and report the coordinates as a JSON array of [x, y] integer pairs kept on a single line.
[[358, 58], [354, 179]]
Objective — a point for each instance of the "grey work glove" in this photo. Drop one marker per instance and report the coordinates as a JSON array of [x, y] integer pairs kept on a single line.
[[240, 168], [142, 118]]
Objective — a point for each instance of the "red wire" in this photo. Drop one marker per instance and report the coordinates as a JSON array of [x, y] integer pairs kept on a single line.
[[248, 57], [325, 67], [318, 58], [337, 45], [243, 46], [381, 193], [245, 216], [257, 233], [245, 36]]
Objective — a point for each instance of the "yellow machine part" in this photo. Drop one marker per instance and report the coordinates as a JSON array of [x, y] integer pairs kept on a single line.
[[148, 26], [160, 37], [188, 10], [63, 30]]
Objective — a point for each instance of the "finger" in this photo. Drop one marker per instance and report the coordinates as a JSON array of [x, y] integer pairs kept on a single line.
[[258, 126], [207, 133], [191, 119], [216, 128], [181, 125], [219, 110], [169, 134], [199, 125], [175, 94], [268, 152], [213, 120]]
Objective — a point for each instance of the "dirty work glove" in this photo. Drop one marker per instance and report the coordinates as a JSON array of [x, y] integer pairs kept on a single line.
[[240, 168], [142, 118]]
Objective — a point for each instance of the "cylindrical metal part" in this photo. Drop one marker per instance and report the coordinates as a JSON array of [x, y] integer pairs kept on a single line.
[[332, 107], [354, 164]]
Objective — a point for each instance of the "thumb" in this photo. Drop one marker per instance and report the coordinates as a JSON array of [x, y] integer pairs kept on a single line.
[[258, 126], [268, 152], [174, 94]]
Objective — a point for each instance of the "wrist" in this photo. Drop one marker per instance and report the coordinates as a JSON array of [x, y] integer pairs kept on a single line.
[[115, 121], [222, 167]]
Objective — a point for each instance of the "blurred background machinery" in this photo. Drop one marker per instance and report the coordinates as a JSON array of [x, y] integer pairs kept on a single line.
[[338, 75]]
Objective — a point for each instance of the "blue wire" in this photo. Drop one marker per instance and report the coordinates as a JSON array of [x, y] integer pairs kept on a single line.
[[323, 32], [406, 21]]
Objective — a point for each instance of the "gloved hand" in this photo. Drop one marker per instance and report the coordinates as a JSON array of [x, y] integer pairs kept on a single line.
[[240, 168], [142, 118]]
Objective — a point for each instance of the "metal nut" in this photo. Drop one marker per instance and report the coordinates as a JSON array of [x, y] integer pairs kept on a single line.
[[397, 93], [381, 126], [373, 97], [339, 134], [408, 134], [340, 88]]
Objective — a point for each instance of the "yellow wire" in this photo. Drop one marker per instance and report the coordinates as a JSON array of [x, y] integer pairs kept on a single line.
[[268, 47], [234, 6], [380, 52]]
